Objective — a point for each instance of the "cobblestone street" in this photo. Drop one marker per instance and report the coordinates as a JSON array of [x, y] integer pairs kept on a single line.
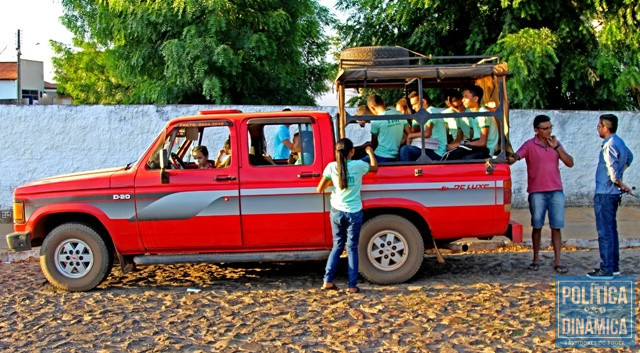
[[479, 302]]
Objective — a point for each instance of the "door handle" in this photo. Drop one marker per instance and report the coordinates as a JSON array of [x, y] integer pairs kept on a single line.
[[224, 178], [308, 175]]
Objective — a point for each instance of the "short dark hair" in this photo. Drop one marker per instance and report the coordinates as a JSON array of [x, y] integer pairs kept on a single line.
[[453, 93], [425, 96], [610, 121], [540, 119], [363, 110], [202, 149], [375, 100], [476, 91]]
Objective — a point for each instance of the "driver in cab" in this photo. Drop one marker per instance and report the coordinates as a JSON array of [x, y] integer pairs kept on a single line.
[[200, 155]]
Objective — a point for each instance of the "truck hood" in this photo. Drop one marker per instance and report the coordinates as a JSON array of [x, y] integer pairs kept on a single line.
[[94, 179]]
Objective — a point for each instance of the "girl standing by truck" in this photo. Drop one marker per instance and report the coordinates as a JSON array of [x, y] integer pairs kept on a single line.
[[346, 208]]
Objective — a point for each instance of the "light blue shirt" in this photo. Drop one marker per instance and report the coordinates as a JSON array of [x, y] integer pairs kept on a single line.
[[280, 151], [493, 138], [614, 157], [439, 132], [389, 135], [347, 200]]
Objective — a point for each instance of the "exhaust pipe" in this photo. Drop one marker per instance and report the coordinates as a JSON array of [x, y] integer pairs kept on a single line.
[[458, 246], [470, 244]]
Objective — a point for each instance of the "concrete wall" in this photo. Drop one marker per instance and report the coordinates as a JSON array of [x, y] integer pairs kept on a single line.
[[41, 141]]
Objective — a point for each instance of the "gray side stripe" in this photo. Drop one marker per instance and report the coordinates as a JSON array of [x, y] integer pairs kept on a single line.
[[310, 203], [277, 191], [185, 205], [438, 198], [116, 210], [430, 186]]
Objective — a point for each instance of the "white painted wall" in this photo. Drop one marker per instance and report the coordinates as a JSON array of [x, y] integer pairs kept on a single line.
[[41, 141]]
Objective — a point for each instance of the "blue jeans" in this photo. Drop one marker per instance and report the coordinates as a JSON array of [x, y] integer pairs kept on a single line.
[[378, 158], [548, 201], [412, 153], [345, 227], [606, 207]]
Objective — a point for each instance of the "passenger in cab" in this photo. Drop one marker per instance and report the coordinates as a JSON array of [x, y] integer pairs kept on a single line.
[[200, 155], [386, 135], [297, 157], [224, 155], [281, 144], [434, 129]]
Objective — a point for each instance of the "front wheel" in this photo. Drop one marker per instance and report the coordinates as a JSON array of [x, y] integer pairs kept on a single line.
[[390, 251], [74, 257]]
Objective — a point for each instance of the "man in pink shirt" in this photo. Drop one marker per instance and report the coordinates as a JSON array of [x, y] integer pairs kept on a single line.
[[542, 154]]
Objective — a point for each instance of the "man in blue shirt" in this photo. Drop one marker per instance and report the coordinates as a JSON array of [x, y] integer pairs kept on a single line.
[[282, 145], [615, 157]]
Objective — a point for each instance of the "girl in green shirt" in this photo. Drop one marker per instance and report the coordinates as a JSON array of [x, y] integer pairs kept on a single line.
[[346, 208]]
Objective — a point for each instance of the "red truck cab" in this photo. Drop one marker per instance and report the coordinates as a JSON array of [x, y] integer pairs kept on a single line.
[[251, 207]]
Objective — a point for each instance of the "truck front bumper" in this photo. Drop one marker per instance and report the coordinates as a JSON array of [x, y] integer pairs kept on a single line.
[[19, 241]]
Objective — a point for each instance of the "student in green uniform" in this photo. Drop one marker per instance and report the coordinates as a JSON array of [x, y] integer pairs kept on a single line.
[[433, 129], [386, 135]]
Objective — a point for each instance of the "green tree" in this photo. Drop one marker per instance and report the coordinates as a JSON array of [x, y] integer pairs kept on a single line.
[[194, 51], [563, 54]]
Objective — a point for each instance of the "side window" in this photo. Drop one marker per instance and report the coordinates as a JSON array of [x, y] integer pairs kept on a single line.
[[212, 149], [195, 147], [281, 144]]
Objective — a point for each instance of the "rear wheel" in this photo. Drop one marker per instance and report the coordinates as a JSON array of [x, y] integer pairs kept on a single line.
[[74, 257], [390, 251]]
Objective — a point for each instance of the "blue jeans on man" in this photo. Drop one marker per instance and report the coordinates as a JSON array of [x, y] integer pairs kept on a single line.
[[345, 227], [605, 207], [547, 201]]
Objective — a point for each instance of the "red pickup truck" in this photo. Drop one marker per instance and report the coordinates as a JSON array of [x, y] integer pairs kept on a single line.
[[164, 209]]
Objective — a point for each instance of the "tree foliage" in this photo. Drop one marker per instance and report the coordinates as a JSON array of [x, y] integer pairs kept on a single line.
[[194, 51], [562, 54]]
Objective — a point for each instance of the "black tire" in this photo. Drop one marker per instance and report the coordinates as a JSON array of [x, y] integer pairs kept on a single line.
[[391, 250], [365, 56], [74, 257]]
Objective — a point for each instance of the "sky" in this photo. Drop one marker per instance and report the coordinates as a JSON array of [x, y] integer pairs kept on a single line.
[[39, 22]]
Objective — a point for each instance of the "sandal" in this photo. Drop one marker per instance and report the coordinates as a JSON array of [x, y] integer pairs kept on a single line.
[[534, 266], [353, 290], [561, 269], [328, 286]]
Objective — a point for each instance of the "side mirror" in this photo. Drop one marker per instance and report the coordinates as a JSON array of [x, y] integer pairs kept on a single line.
[[164, 162]]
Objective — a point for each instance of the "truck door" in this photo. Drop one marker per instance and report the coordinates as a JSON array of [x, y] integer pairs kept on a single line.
[[194, 209], [279, 204]]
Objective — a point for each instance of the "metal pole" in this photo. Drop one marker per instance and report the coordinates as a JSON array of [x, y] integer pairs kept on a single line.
[[19, 81], [342, 113]]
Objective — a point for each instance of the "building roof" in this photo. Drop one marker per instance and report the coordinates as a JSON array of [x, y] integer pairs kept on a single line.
[[49, 85], [8, 70]]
